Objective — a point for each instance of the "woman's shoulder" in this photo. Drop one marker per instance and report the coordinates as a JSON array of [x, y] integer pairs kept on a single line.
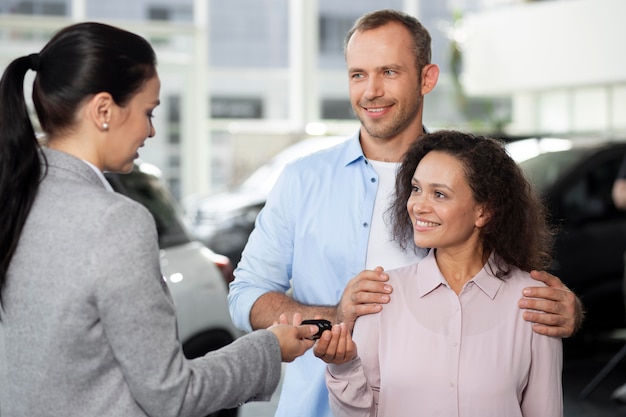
[[400, 273], [517, 277]]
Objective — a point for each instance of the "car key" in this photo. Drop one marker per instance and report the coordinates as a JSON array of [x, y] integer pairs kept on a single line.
[[321, 325]]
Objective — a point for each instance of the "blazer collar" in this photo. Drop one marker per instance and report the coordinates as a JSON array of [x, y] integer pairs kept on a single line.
[[64, 164]]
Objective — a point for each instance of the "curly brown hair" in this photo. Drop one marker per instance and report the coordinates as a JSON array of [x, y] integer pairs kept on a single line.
[[518, 231]]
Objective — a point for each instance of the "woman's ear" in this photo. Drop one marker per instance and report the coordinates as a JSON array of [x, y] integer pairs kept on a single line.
[[100, 110], [483, 215]]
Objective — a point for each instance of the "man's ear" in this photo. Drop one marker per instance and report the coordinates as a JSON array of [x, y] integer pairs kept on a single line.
[[101, 109], [430, 75]]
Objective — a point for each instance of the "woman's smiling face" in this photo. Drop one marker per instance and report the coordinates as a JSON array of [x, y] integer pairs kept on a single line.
[[442, 208]]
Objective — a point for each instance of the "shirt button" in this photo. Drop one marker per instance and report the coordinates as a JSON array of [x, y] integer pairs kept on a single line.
[[373, 179], [365, 224]]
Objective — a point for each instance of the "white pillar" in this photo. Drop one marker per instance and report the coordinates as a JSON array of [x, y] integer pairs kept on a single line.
[[304, 94], [79, 10], [412, 7], [195, 140]]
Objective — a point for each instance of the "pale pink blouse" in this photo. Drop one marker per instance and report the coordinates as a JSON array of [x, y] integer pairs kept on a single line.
[[433, 353]]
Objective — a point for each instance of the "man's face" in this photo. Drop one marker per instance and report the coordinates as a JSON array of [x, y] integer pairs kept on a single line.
[[384, 82]]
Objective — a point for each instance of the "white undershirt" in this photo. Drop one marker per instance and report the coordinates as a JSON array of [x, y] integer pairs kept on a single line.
[[381, 249], [100, 175]]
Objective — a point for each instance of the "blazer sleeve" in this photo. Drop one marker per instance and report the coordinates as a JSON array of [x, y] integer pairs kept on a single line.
[[138, 317]]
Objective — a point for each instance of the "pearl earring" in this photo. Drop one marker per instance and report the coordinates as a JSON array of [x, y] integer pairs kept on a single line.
[[105, 126]]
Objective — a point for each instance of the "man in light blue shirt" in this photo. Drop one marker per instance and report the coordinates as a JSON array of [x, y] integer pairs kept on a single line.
[[324, 205], [322, 233]]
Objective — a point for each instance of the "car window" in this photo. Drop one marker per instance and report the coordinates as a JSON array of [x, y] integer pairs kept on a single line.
[[589, 196], [586, 178], [149, 191], [263, 179], [545, 169]]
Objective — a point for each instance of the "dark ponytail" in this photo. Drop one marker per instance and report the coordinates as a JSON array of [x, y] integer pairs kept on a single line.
[[20, 169]]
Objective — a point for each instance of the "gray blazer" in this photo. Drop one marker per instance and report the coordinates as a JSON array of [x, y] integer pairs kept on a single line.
[[88, 327]]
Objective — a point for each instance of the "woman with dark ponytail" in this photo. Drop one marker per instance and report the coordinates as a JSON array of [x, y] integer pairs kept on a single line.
[[87, 325]]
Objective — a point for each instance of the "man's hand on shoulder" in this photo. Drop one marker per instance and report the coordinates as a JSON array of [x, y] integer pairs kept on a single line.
[[559, 312]]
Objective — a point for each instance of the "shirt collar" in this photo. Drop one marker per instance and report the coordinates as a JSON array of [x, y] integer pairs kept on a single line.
[[354, 151], [488, 283], [431, 277]]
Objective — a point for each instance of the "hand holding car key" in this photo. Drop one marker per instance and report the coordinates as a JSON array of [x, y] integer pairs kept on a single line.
[[321, 324]]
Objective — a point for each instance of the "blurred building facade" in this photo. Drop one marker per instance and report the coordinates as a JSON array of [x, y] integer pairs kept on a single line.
[[558, 61], [244, 78]]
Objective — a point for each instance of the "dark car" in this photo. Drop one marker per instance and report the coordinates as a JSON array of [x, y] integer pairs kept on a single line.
[[576, 185]]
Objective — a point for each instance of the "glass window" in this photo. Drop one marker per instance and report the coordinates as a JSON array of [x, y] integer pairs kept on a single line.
[[24, 7], [236, 108], [158, 13], [53, 9], [47, 8], [173, 13], [338, 109], [333, 31], [173, 108], [589, 197]]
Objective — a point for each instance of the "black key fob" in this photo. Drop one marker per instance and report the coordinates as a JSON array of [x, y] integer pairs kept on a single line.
[[321, 325]]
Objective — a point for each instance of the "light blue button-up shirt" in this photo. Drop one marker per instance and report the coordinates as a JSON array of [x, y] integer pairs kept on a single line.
[[312, 236]]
